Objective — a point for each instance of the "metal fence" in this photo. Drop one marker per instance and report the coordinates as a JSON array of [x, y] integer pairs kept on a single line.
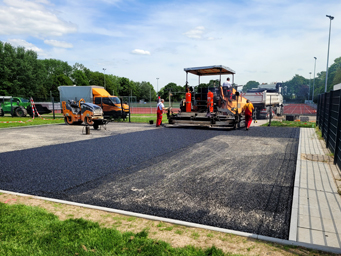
[[328, 120]]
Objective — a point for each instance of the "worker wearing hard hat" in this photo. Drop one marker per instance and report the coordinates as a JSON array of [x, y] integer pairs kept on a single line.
[[247, 110], [159, 111]]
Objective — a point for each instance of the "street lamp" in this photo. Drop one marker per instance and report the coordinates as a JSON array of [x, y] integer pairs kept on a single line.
[[330, 25], [104, 76], [312, 97], [309, 85], [157, 88]]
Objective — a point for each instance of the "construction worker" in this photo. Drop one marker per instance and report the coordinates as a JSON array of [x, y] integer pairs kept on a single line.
[[227, 88], [247, 110], [159, 111]]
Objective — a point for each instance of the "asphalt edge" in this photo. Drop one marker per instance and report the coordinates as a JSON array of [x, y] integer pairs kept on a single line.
[[188, 224], [294, 207]]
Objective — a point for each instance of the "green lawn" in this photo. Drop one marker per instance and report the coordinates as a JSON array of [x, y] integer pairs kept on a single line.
[[8, 121], [26, 230], [291, 124]]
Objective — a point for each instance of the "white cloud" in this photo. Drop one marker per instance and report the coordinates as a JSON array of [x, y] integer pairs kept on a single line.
[[20, 17], [60, 44], [140, 52], [23, 43], [196, 33]]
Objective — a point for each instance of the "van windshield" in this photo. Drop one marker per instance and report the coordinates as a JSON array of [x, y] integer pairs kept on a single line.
[[115, 100]]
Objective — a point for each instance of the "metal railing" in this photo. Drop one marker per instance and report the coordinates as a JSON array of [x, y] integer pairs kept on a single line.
[[328, 120]]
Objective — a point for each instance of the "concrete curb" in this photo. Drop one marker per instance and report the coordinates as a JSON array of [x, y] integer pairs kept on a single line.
[[294, 208], [188, 224]]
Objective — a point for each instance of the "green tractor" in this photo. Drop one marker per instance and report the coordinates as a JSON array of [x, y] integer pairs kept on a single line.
[[19, 107]]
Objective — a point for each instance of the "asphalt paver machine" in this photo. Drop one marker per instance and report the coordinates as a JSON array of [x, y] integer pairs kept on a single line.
[[213, 106]]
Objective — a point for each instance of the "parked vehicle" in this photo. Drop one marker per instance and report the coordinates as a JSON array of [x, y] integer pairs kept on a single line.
[[212, 107], [81, 111], [112, 106], [20, 107], [263, 97]]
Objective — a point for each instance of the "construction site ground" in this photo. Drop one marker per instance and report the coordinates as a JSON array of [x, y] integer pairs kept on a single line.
[[234, 179]]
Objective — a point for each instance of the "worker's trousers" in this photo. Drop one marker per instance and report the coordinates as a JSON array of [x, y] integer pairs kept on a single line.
[[248, 121], [159, 117]]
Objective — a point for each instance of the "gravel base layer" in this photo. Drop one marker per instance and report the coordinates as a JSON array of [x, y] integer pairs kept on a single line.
[[237, 179]]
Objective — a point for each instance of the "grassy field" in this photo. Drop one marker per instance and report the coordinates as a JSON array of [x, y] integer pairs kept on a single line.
[[30, 226], [291, 124], [29, 230], [8, 121]]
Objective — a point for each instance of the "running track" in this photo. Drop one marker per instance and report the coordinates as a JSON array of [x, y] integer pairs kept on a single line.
[[299, 109]]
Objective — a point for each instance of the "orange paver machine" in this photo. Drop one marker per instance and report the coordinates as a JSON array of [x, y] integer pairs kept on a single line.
[[210, 106]]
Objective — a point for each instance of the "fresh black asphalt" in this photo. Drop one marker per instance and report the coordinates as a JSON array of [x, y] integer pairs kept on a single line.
[[237, 179]]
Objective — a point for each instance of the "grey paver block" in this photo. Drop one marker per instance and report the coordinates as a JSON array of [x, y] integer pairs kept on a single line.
[[319, 237]]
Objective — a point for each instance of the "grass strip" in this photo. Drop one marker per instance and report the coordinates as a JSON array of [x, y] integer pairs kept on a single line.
[[291, 124], [7, 122], [27, 230]]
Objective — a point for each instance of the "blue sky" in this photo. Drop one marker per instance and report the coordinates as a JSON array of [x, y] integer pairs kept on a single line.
[[262, 40]]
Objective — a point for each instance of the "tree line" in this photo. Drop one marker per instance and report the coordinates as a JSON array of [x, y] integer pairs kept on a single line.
[[298, 87], [23, 74]]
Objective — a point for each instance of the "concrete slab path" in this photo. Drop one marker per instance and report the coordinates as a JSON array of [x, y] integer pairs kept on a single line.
[[316, 211]]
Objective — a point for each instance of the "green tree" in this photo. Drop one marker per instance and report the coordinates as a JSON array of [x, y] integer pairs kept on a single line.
[[147, 91], [78, 75], [177, 91], [249, 85]]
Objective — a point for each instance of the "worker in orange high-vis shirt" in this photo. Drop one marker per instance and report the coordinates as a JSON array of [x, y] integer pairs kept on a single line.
[[247, 110], [159, 112]]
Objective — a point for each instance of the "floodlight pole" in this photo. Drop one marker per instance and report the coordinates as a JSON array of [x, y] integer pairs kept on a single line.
[[157, 86], [330, 25], [312, 97], [104, 76], [309, 85]]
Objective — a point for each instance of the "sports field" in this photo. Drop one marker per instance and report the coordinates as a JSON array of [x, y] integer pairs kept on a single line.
[[299, 109]]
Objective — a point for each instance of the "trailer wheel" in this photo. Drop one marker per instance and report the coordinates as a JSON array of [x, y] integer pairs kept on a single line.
[[96, 126], [68, 120], [2, 112]]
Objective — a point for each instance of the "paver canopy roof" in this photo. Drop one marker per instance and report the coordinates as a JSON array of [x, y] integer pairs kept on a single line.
[[210, 70]]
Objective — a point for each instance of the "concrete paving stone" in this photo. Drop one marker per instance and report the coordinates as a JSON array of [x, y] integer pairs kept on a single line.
[[310, 222], [318, 237], [313, 211], [319, 223]]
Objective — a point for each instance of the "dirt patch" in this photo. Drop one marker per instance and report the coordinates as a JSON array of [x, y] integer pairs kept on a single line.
[[176, 235], [317, 158]]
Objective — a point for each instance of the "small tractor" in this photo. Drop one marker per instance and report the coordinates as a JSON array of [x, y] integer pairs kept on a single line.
[[19, 107], [81, 111], [211, 107]]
